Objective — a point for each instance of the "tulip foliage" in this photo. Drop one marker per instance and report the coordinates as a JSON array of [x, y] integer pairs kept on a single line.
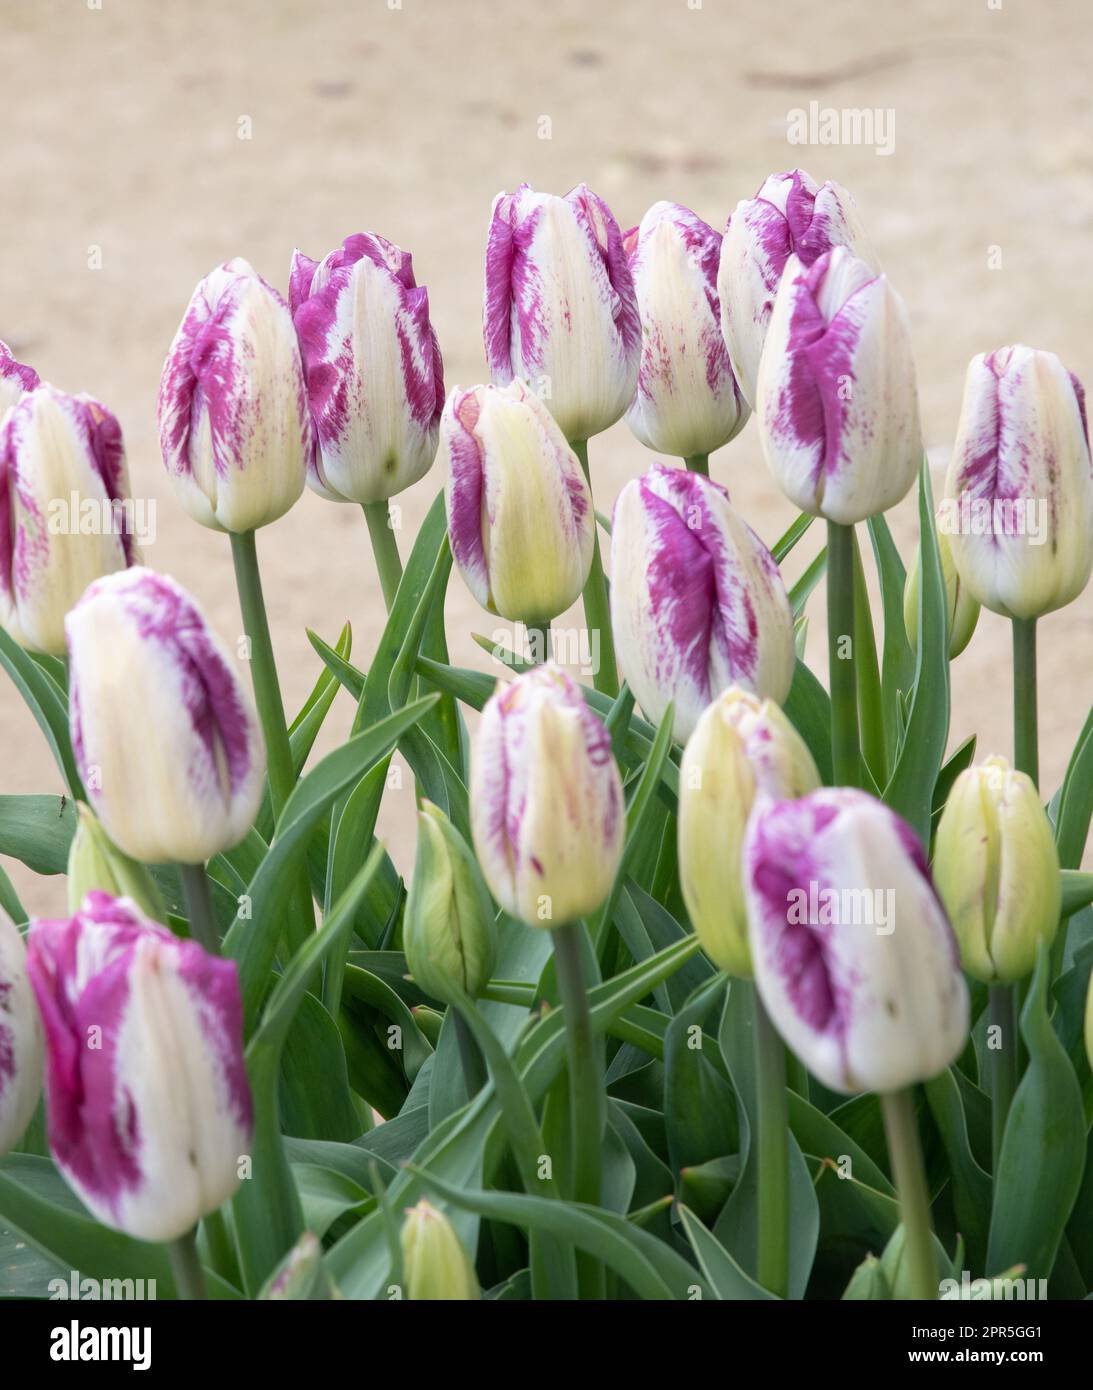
[[708, 980]]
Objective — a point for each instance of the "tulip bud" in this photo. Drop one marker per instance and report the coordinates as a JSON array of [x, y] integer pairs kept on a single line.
[[375, 377], [963, 609], [301, 1275], [15, 379], [854, 958], [96, 863], [742, 749], [147, 1097], [166, 737], [836, 400], [448, 931], [63, 483], [687, 400], [520, 515], [21, 1046], [546, 800], [435, 1265], [997, 871], [1019, 493], [790, 215], [867, 1283], [697, 602], [233, 422], [560, 309]]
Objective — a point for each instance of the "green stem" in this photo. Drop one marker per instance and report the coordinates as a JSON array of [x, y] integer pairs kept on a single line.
[[597, 609], [1003, 1016], [186, 1266], [219, 1247], [909, 1171], [1026, 750], [470, 1056], [199, 906], [539, 643], [587, 1098], [773, 1147], [699, 463], [267, 690], [385, 549], [845, 749]]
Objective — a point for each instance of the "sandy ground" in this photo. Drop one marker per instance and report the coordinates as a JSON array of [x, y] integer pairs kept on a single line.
[[123, 134]]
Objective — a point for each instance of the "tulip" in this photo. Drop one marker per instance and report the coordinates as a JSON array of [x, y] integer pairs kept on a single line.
[[1020, 488], [448, 932], [697, 602], [301, 1275], [15, 379], [520, 515], [233, 422], [435, 1265], [742, 749], [836, 400], [963, 609], [95, 863], [63, 489], [546, 800], [148, 1103], [560, 309], [687, 401], [375, 377], [21, 1046], [790, 215], [997, 870], [166, 738], [853, 955]]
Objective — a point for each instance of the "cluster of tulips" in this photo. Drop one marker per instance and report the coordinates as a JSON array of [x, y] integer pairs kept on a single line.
[[754, 993]]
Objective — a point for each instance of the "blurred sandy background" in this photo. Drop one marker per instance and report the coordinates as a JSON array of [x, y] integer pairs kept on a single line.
[[122, 133]]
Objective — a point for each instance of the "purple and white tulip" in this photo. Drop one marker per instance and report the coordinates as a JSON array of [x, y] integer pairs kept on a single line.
[[560, 308], [697, 601], [547, 812], [233, 422], [375, 377], [854, 957], [63, 488], [837, 403], [687, 400], [21, 1047], [166, 737], [1019, 493], [148, 1103], [15, 379], [520, 515], [790, 215]]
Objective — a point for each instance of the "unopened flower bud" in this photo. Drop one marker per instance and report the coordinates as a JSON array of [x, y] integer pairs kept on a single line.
[[96, 863], [963, 609], [435, 1264]]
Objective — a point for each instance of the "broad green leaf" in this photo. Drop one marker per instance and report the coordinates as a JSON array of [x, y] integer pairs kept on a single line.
[[898, 663], [48, 705], [38, 830], [724, 1276], [808, 708]]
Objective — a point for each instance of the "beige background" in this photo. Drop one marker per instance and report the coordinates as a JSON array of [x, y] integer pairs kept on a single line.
[[122, 133]]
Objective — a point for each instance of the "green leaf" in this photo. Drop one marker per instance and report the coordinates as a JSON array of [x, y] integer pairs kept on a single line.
[[38, 830], [1043, 1149], [808, 708], [789, 538], [700, 1108], [867, 675], [971, 1185], [898, 663], [313, 1049], [48, 705], [911, 789], [724, 1276], [1076, 800]]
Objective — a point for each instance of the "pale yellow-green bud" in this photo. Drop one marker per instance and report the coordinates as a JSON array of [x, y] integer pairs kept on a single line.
[[301, 1274], [963, 609], [95, 862], [742, 748], [448, 931], [997, 871], [435, 1265]]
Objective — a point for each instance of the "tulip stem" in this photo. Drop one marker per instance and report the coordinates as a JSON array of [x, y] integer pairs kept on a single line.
[[186, 1266], [1002, 1004], [699, 463], [199, 906], [539, 645], [909, 1171], [385, 549], [773, 1149], [1026, 750], [845, 749], [597, 609], [587, 1099], [470, 1056], [267, 690]]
